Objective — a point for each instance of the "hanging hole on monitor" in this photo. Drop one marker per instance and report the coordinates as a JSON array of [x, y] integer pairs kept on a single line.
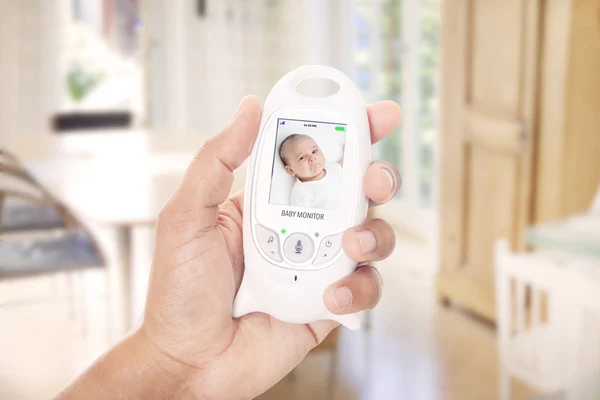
[[317, 87]]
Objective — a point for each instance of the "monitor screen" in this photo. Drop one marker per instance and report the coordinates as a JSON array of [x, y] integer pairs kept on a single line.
[[308, 164]]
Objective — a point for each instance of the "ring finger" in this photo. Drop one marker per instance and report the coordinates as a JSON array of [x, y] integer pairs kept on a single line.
[[357, 292]]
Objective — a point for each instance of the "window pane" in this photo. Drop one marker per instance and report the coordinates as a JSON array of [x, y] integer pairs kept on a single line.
[[377, 61], [380, 55], [365, 47], [429, 53], [391, 72]]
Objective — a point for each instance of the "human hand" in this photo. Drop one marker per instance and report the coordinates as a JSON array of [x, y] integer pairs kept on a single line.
[[187, 327]]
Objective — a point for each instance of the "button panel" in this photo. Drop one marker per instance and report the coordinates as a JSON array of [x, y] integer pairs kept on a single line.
[[328, 248], [298, 247], [268, 242]]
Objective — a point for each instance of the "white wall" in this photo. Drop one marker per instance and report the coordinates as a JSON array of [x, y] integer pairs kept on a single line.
[[201, 67], [90, 11], [161, 36], [28, 67]]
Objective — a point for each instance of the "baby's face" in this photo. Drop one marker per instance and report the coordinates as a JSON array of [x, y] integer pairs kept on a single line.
[[305, 159]]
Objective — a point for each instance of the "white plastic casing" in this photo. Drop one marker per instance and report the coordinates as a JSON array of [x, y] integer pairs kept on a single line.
[[289, 291]]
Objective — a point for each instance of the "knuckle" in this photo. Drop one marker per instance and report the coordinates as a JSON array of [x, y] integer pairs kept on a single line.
[[209, 144], [374, 287], [378, 221], [386, 231]]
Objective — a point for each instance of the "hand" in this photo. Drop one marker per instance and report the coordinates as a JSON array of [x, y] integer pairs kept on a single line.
[[187, 331]]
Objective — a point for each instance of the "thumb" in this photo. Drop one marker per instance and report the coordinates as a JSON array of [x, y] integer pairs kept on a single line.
[[208, 179]]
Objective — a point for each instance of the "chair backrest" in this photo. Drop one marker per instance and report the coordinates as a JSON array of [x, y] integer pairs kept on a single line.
[[25, 204]]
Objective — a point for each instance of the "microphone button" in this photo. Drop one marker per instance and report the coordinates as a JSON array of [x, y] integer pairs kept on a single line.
[[298, 248]]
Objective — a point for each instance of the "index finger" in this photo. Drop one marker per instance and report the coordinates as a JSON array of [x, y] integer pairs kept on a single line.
[[384, 117]]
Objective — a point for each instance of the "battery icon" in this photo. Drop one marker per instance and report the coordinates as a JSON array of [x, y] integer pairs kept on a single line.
[[340, 128]]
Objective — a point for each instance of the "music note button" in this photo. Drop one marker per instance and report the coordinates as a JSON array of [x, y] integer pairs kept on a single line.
[[268, 242]]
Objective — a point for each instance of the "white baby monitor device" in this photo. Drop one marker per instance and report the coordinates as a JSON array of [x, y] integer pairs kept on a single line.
[[302, 196]]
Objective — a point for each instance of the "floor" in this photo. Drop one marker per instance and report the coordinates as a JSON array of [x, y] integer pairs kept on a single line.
[[412, 349], [415, 349]]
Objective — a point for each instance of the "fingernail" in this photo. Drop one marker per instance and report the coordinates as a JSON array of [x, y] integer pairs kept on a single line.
[[342, 297], [390, 178], [367, 241]]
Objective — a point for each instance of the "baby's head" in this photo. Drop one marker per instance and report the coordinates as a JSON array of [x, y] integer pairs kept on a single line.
[[302, 157]]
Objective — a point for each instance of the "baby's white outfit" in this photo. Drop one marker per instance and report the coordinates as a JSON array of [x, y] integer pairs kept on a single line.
[[324, 193]]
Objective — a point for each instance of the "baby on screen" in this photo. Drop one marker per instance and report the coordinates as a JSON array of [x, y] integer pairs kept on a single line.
[[317, 182]]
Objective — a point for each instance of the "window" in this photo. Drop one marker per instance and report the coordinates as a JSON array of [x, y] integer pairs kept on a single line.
[[396, 56], [101, 63], [429, 61]]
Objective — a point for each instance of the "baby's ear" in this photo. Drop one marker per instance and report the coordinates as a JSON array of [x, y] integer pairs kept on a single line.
[[289, 170]]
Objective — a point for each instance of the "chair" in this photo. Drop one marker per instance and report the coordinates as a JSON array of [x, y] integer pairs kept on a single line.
[[45, 245], [38, 234]]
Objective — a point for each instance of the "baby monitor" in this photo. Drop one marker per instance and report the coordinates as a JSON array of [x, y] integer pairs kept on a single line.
[[304, 188]]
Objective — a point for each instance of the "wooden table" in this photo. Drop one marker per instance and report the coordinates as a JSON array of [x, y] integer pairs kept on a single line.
[[116, 180]]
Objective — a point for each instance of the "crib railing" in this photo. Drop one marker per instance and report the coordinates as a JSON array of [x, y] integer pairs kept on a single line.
[[531, 319]]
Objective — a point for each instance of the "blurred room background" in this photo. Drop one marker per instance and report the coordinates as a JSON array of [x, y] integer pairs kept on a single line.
[[493, 289]]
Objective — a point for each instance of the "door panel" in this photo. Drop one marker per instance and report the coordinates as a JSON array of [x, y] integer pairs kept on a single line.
[[501, 134], [491, 193], [496, 41]]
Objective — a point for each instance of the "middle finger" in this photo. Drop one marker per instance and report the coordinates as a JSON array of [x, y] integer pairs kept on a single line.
[[372, 241], [382, 182]]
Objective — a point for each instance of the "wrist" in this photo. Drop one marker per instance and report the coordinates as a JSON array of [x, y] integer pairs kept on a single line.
[[164, 376], [133, 369]]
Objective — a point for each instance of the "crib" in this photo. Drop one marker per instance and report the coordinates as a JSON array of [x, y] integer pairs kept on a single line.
[[548, 319]]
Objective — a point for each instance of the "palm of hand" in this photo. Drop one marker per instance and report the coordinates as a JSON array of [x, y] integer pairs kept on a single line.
[[208, 268], [198, 266]]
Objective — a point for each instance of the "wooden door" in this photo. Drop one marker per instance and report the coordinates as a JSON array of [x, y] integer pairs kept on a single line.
[[488, 115]]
